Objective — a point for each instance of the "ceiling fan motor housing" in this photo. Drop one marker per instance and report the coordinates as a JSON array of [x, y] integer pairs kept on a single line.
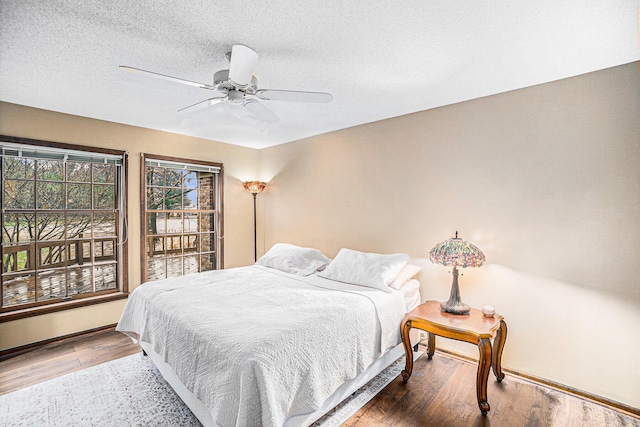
[[235, 97], [222, 83]]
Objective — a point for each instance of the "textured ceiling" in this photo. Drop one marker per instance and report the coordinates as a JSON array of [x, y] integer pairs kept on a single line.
[[378, 58]]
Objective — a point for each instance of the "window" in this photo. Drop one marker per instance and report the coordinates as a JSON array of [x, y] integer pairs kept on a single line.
[[62, 221], [182, 217]]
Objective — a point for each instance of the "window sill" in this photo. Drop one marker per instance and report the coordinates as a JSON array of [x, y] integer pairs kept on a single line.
[[68, 305]]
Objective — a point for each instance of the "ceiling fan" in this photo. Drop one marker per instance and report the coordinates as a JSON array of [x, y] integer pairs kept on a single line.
[[238, 86]]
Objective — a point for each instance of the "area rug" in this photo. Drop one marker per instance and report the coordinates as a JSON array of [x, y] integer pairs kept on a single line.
[[131, 392]]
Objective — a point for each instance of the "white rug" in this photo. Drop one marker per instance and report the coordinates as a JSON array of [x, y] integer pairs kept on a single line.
[[131, 392]]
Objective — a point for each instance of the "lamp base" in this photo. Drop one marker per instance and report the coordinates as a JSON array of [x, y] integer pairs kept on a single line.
[[454, 307]]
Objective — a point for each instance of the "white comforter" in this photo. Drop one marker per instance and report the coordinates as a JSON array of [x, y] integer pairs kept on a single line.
[[259, 346]]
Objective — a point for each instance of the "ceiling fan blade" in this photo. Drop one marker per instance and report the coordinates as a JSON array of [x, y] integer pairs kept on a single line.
[[261, 111], [294, 96], [163, 77], [202, 104], [243, 62]]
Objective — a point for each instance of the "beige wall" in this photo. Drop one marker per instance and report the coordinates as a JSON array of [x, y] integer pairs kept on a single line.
[[545, 180], [240, 164]]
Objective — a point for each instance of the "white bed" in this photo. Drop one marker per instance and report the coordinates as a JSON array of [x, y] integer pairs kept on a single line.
[[260, 346]]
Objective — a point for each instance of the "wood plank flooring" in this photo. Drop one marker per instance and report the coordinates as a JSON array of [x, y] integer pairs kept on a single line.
[[62, 357], [441, 391]]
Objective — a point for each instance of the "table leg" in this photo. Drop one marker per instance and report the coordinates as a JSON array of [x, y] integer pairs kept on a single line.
[[484, 365], [431, 345], [405, 327], [498, 344]]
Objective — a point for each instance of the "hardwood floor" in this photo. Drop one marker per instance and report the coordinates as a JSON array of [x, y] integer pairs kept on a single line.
[[441, 391], [61, 357]]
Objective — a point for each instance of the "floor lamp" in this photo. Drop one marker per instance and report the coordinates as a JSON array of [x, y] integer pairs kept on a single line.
[[254, 187]]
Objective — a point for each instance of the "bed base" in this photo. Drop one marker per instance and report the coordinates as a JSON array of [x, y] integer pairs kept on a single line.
[[204, 416]]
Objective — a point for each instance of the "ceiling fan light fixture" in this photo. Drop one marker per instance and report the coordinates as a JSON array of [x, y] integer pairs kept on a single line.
[[243, 62]]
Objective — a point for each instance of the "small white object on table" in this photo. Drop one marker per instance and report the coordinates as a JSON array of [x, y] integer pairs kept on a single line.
[[488, 310]]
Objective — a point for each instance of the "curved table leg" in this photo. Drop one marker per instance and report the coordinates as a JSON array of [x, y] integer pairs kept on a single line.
[[498, 344], [484, 365], [405, 327]]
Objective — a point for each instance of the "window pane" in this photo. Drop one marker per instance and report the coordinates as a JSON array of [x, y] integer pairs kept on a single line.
[[174, 223], [80, 280], [105, 277], [206, 222], [78, 172], [18, 289], [173, 199], [50, 226], [190, 243], [79, 253], [19, 168], [206, 181], [16, 258], [78, 196], [51, 284], [52, 255], [104, 225], [19, 194], [157, 245], [50, 170], [156, 267], [18, 227], [190, 198], [156, 223], [104, 250], [190, 179], [206, 200], [155, 198], [174, 266], [104, 173], [191, 264], [174, 244], [208, 261], [206, 242], [78, 225], [155, 176], [190, 222], [104, 196], [50, 195], [174, 177]]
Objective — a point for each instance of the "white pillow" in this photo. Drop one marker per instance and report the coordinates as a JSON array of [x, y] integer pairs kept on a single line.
[[411, 292], [365, 269], [293, 259], [407, 272]]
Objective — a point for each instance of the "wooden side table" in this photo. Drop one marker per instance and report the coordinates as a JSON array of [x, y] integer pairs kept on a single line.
[[474, 328]]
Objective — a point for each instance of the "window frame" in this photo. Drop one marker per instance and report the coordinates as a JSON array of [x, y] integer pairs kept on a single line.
[[79, 300], [144, 241]]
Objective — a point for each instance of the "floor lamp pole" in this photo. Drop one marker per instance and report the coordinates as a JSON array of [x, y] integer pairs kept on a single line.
[[255, 230], [254, 187]]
